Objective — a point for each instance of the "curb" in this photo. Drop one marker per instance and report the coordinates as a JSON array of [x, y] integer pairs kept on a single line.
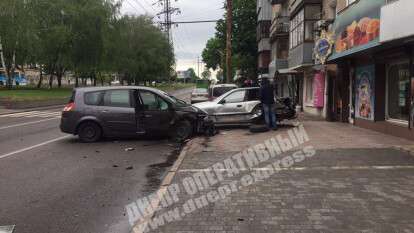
[[155, 202], [11, 111], [405, 149]]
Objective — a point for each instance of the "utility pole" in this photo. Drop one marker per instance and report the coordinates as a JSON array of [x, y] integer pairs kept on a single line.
[[198, 66], [228, 41], [168, 11]]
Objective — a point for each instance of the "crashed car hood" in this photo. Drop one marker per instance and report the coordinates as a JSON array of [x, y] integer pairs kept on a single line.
[[204, 105], [190, 108]]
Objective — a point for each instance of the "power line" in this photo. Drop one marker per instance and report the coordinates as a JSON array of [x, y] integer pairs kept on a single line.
[[132, 6], [196, 21], [142, 6], [167, 13]]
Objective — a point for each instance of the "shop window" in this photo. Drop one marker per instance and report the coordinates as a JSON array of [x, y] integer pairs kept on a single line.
[[398, 99]]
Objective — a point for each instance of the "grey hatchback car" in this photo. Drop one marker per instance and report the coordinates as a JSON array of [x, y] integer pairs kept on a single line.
[[96, 112]]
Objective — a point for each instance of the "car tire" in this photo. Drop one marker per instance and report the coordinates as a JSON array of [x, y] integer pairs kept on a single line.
[[258, 128], [89, 132], [260, 119], [183, 130]]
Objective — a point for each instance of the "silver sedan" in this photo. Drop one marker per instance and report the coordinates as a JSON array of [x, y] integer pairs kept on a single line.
[[237, 106]]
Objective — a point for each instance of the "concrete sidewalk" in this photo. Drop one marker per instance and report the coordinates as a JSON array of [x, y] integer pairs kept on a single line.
[[356, 181]]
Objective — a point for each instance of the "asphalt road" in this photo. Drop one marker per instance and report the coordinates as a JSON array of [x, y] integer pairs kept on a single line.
[[50, 182]]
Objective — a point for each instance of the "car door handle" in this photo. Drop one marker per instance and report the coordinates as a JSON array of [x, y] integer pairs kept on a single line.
[[105, 111], [147, 115], [239, 106]]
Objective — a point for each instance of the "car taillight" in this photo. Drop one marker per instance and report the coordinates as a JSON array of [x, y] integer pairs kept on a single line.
[[69, 107]]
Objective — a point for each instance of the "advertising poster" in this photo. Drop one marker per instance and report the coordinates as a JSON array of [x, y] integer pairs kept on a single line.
[[319, 90], [357, 28], [412, 102], [365, 92]]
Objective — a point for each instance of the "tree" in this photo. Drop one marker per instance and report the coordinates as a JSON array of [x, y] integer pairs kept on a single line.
[[192, 74], [213, 53], [16, 35], [90, 38], [244, 43], [206, 75], [141, 52]]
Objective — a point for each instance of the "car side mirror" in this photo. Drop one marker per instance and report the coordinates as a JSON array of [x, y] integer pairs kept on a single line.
[[222, 101]]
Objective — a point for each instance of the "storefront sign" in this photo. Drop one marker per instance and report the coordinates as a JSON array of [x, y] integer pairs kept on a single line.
[[412, 102], [365, 92], [357, 28], [323, 47], [319, 90]]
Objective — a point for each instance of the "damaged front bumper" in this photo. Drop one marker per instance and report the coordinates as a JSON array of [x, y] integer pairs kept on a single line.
[[204, 125]]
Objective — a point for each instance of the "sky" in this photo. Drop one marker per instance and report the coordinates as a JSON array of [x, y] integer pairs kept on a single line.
[[189, 39]]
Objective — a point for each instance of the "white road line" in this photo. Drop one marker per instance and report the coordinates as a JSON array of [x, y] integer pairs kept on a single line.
[[33, 114], [34, 146], [307, 168], [28, 123], [19, 114]]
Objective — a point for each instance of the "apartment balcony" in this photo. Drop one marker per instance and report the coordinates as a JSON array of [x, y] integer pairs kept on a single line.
[[276, 65], [280, 27], [301, 55], [394, 18], [276, 2], [296, 5]]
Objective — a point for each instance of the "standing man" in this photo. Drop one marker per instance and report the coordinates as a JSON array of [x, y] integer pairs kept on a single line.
[[267, 97]]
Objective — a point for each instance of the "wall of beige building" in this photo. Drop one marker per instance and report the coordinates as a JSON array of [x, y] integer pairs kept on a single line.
[[329, 9]]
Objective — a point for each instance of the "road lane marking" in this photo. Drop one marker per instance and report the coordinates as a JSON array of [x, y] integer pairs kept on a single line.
[[34, 146], [31, 114], [7, 229], [28, 123], [382, 167]]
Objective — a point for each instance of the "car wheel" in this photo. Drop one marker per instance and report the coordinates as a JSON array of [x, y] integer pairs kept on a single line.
[[89, 132], [258, 128], [183, 130], [257, 115]]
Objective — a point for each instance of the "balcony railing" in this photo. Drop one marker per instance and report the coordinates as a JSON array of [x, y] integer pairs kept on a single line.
[[280, 26]]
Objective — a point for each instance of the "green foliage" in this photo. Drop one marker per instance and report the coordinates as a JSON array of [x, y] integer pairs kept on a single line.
[[206, 75], [90, 38], [244, 44], [192, 75], [28, 94]]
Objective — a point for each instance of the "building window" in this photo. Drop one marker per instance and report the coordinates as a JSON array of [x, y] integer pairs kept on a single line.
[[302, 25], [349, 2], [398, 99]]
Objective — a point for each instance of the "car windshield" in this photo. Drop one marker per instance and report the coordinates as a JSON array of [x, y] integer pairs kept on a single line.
[[173, 99]]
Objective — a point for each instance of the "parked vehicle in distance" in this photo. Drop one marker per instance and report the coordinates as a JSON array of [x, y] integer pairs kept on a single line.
[[97, 112], [18, 79], [242, 106], [218, 90], [199, 95]]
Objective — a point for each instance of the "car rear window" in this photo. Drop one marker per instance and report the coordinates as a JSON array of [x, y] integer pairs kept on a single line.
[[93, 98], [219, 91], [200, 91]]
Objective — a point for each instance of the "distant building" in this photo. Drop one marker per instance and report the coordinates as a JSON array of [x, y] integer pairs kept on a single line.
[[264, 17], [183, 75]]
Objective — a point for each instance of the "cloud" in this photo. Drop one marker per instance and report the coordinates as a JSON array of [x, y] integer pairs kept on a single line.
[[189, 39]]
